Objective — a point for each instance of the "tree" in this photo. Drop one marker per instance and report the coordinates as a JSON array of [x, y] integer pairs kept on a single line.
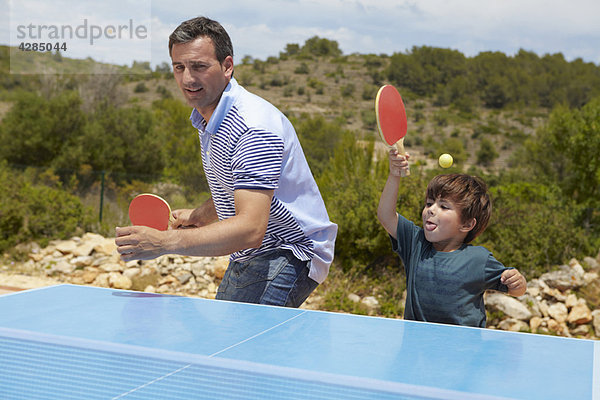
[[319, 138], [351, 186], [37, 130], [565, 151], [487, 153], [533, 227], [31, 211], [316, 46], [184, 162]]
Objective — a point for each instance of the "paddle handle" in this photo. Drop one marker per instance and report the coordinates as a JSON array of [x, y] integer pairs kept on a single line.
[[400, 148]]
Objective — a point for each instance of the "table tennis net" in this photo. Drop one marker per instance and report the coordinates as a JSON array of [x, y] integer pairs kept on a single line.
[[37, 366]]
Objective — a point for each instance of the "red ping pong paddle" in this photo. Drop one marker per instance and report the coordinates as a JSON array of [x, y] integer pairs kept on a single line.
[[391, 119], [150, 210]]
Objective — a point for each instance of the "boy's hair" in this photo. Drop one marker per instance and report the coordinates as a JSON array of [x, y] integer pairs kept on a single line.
[[469, 193], [197, 27]]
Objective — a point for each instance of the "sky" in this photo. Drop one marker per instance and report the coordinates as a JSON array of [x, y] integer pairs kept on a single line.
[[263, 28]]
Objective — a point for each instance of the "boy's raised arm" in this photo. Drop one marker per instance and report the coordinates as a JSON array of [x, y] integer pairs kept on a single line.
[[386, 211]]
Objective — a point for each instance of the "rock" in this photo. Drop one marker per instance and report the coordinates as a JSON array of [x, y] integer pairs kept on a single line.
[[147, 277], [559, 312], [132, 272], [354, 297], [93, 237], [82, 261], [66, 246], [571, 300], [212, 288], [219, 266], [563, 279], [535, 323], [90, 276], [508, 305], [84, 249], [591, 262], [132, 264], [198, 269], [36, 257], [576, 267], [106, 246], [533, 291], [580, 330], [553, 293], [513, 325], [543, 306], [371, 303], [118, 281], [580, 314], [62, 266], [111, 267], [558, 327], [596, 321], [150, 289], [589, 277], [102, 280], [531, 303], [183, 278]]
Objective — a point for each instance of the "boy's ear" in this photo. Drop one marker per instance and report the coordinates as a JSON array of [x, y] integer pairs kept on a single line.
[[469, 225]]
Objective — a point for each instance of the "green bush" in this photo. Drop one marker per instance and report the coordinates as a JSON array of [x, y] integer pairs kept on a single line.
[[140, 88], [302, 69], [351, 187], [37, 130], [347, 90], [487, 153], [533, 228], [30, 211]]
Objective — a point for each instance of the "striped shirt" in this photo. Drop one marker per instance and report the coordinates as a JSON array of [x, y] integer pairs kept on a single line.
[[249, 144]]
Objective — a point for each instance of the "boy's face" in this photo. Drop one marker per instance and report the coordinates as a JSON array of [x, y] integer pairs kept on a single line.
[[443, 224]]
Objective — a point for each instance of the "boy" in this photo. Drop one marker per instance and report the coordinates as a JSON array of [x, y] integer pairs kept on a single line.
[[446, 276]]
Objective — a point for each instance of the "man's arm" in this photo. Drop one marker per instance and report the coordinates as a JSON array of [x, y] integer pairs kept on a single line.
[[244, 230]]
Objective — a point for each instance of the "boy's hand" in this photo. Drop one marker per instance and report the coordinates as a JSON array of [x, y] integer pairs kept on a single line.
[[516, 283], [398, 162]]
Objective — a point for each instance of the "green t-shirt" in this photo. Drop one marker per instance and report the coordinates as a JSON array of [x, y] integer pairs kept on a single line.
[[445, 287]]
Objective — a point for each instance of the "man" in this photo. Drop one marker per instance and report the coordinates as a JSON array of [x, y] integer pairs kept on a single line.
[[266, 210]]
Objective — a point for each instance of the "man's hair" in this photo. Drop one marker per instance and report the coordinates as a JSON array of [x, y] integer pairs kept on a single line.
[[198, 27], [469, 193]]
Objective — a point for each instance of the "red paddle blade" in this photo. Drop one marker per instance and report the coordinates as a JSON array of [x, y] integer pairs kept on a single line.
[[391, 115], [150, 210]]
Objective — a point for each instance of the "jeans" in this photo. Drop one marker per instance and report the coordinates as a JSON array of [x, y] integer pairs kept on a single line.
[[276, 278]]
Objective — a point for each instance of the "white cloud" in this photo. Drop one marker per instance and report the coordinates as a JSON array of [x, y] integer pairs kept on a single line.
[[262, 28]]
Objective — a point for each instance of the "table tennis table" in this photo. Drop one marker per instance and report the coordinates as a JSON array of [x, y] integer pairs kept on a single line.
[[81, 342]]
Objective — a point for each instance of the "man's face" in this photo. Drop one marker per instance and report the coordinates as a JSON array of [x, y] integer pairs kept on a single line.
[[199, 74]]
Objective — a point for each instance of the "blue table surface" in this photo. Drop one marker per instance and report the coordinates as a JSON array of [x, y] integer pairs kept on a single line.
[[469, 360]]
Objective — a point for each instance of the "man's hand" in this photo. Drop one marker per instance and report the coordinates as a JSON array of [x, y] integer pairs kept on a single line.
[[139, 243], [195, 218], [181, 219]]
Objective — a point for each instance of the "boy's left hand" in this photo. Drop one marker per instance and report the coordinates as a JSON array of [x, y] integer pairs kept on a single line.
[[516, 283]]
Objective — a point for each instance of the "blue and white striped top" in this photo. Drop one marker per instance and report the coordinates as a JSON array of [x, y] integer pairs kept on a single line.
[[250, 144]]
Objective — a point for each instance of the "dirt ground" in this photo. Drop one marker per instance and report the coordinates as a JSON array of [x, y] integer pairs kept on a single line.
[[10, 282]]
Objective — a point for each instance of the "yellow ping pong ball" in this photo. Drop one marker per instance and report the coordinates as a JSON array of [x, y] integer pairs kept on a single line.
[[445, 160]]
